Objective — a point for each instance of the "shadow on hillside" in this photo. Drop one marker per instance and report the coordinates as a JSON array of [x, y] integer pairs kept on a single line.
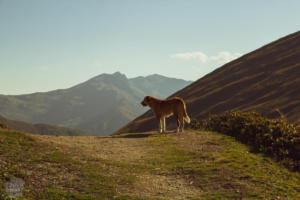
[[145, 134], [136, 135]]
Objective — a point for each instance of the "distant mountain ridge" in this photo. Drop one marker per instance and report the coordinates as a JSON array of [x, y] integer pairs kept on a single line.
[[99, 106], [266, 80], [42, 129]]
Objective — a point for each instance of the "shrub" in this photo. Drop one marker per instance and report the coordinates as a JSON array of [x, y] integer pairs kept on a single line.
[[4, 126], [274, 137]]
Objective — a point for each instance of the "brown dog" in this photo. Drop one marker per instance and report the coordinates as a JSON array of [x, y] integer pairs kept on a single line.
[[165, 108]]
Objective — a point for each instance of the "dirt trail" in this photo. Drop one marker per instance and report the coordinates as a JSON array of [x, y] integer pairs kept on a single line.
[[132, 149], [118, 149]]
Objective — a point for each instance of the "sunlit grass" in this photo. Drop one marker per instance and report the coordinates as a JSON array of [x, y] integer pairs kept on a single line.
[[226, 171]]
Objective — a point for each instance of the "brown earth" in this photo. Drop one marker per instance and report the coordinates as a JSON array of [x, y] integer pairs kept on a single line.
[[263, 80]]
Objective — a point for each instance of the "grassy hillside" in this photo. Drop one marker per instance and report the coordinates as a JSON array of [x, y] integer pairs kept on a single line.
[[91, 106], [265, 80], [276, 138], [194, 165]]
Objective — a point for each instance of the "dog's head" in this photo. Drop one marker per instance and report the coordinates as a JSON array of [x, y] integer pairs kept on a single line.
[[146, 101]]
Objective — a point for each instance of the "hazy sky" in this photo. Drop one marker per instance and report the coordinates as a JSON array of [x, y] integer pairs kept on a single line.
[[51, 44]]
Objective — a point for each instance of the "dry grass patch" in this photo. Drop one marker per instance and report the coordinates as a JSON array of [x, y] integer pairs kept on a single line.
[[112, 148]]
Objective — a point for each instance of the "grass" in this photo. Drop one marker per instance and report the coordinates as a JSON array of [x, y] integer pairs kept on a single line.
[[232, 173], [52, 174], [53, 194], [207, 165]]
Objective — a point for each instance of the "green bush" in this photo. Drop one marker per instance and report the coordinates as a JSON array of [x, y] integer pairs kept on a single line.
[[2, 125], [274, 137]]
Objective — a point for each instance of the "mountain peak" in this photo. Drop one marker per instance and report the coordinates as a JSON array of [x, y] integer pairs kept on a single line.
[[117, 73], [155, 75]]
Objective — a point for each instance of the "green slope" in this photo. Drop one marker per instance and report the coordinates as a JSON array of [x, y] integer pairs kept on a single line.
[[194, 165]]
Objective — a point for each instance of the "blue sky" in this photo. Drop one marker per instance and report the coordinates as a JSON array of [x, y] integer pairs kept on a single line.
[[51, 44]]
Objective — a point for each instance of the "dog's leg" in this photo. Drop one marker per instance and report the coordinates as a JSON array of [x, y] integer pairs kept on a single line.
[[164, 125], [160, 125], [181, 124], [177, 123]]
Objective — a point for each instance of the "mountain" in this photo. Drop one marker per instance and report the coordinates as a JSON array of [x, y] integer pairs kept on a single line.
[[265, 80], [99, 106], [43, 129]]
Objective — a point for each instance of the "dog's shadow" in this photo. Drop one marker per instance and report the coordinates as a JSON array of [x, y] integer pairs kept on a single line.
[[143, 135], [134, 135]]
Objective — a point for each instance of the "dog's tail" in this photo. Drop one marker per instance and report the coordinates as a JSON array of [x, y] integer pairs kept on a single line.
[[186, 117]]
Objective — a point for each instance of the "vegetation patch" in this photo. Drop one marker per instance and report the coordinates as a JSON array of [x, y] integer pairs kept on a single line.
[[3, 126], [232, 172], [275, 137], [50, 173], [53, 194]]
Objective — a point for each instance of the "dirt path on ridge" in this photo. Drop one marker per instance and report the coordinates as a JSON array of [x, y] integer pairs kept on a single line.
[[132, 149]]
